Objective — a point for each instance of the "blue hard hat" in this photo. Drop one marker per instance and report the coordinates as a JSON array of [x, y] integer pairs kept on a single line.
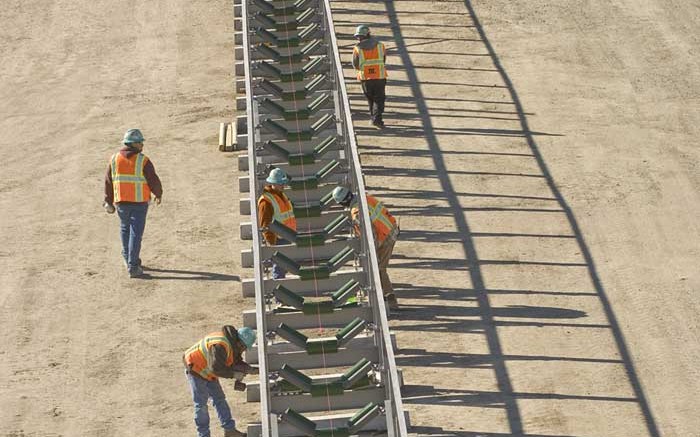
[[133, 136], [277, 176], [247, 336]]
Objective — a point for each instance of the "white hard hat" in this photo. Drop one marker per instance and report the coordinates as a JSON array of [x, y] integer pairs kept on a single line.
[[277, 176], [340, 193]]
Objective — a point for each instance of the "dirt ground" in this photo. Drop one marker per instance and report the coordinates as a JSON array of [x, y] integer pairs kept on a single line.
[[542, 158]]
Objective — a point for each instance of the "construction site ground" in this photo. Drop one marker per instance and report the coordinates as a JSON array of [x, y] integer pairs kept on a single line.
[[542, 158]]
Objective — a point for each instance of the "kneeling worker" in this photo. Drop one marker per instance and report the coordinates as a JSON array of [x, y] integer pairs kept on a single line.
[[273, 204], [218, 355], [386, 231]]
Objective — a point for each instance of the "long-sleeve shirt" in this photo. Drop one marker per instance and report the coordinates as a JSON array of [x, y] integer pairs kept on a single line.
[[220, 368], [149, 172], [266, 213]]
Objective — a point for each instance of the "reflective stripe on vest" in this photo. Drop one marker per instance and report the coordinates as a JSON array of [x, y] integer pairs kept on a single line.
[[284, 211], [382, 222], [128, 181], [371, 63], [200, 356]]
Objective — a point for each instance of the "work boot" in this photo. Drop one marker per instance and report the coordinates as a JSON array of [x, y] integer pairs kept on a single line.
[[136, 272], [233, 432], [126, 263]]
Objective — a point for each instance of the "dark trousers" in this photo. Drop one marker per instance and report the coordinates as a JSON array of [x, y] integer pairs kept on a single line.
[[375, 91]]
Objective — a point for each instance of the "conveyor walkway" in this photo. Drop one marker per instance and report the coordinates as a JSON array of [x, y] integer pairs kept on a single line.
[[323, 339]]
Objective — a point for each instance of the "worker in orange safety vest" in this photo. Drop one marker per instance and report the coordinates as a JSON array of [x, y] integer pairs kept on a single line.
[[130, 181], [368, 60], [218, 355], [386, 232], [273, 204]]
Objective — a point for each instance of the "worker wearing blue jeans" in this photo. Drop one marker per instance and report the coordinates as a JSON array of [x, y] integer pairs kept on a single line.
[[133, 223], [130, 182], [202, 390], [217, 355]]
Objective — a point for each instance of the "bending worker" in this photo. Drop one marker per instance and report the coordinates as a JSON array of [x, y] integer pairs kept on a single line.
[[386, 231], [218, 355], [273, 204], [368, 60], [129, 183]]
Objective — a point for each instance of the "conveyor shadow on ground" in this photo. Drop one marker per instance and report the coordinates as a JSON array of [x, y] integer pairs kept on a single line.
[[483, 317]]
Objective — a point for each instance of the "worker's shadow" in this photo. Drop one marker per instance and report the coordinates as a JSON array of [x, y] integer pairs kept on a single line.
[[186, 275]]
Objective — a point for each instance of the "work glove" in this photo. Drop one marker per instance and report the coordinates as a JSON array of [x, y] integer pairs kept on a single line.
[[109, 208], [239, 386]]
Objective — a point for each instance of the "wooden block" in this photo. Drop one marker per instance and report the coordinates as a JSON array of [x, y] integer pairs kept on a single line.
[[230, 135], [222, 137]]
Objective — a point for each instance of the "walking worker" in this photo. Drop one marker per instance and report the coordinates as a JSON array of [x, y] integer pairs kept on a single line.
[[273, 204], [386, 232], [130, 181], [368, 60], [218, 355]]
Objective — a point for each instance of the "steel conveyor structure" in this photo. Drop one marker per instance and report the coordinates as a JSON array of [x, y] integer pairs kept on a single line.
[[324, 349]]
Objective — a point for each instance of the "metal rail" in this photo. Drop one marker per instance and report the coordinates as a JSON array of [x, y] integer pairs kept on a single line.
[[298, 118]]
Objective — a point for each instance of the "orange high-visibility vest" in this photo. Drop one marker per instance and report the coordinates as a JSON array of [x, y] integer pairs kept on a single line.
[[200, 356], [371, 62], [383, 223], [284, 211], [128, 182]]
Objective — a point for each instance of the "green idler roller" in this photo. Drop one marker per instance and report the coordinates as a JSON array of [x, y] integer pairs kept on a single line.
[[321, 345], [355, 424]]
